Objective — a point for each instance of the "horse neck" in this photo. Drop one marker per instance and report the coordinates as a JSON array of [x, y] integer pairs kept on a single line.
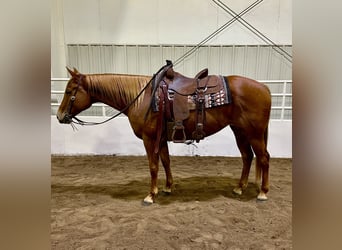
[[115, 90]]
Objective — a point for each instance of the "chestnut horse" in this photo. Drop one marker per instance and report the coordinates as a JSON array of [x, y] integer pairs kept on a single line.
[[248, 116]]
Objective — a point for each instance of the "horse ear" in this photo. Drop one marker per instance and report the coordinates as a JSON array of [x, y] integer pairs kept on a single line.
[[73, 73], [70, 72]]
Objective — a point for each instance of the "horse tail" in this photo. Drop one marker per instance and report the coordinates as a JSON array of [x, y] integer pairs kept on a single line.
[[266, 136], [258, 170]]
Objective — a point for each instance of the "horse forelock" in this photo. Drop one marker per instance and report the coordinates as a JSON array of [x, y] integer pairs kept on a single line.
[[118, 87]]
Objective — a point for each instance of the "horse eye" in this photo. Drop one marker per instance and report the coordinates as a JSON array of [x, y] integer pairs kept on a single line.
[[68, 92]]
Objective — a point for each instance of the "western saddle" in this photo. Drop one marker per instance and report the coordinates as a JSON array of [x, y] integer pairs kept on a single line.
[[174, 92]]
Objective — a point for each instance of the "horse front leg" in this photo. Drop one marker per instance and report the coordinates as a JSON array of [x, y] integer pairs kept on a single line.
[[165, 159], [153, 160]]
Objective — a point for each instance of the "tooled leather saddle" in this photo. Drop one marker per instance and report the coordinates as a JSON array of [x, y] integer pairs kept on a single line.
[[175, 95]]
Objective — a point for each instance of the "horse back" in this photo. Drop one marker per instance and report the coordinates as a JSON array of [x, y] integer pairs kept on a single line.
[[246, 88]]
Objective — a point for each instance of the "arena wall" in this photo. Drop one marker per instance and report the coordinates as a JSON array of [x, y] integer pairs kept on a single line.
[[117, 138]]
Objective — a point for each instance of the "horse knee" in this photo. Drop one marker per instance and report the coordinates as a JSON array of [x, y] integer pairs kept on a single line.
[[154, 170]]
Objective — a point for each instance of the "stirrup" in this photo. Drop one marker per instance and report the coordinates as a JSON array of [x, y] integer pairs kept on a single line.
[[178, 127]]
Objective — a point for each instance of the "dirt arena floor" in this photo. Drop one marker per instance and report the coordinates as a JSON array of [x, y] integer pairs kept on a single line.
[[96, 203]]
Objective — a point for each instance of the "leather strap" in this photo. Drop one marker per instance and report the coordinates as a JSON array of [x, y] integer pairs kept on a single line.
[[160, 120], [199, 134]]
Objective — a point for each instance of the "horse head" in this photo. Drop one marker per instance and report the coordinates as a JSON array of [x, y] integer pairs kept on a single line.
[[76, 98]]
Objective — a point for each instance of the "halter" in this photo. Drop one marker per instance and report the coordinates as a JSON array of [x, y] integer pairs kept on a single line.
[[73, 97]]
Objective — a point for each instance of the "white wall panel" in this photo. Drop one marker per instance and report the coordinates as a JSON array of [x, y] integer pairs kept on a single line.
[[120, 59], [257, 62], [117, 137], [251, 58], [156, 22], [171, 21]]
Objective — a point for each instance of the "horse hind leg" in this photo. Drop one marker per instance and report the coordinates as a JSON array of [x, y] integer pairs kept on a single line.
[[262, 165], [165, 159], [247, 157]]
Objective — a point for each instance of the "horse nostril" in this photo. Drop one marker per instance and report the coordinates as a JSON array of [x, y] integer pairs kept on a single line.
[[61, 120], [62, 117]]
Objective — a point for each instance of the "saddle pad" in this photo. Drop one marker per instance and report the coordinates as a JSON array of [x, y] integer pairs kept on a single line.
[[211, 100]]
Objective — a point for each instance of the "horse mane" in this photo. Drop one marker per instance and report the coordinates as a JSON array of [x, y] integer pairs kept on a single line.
[[119, 87]]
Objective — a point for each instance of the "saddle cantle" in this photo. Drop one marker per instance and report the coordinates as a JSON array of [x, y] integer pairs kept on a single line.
[[179, 94]]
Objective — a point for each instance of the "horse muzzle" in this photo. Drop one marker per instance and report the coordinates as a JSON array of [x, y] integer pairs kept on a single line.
[[64, 118]]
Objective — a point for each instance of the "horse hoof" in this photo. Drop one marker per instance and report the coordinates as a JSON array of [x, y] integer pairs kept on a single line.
[[262, 197], [148, 200], [167, 191], [146, 204], [237, 191]]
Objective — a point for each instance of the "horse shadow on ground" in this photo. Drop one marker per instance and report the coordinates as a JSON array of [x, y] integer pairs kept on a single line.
[[201, 188]]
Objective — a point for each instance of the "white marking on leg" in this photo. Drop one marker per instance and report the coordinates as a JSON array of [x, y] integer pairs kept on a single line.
[[167, 190], [148, 199], [262, 196], [155, 190], [237, 191]]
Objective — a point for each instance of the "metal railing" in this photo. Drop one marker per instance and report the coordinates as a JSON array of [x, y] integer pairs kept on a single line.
[[285, 96], [281, 91]]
